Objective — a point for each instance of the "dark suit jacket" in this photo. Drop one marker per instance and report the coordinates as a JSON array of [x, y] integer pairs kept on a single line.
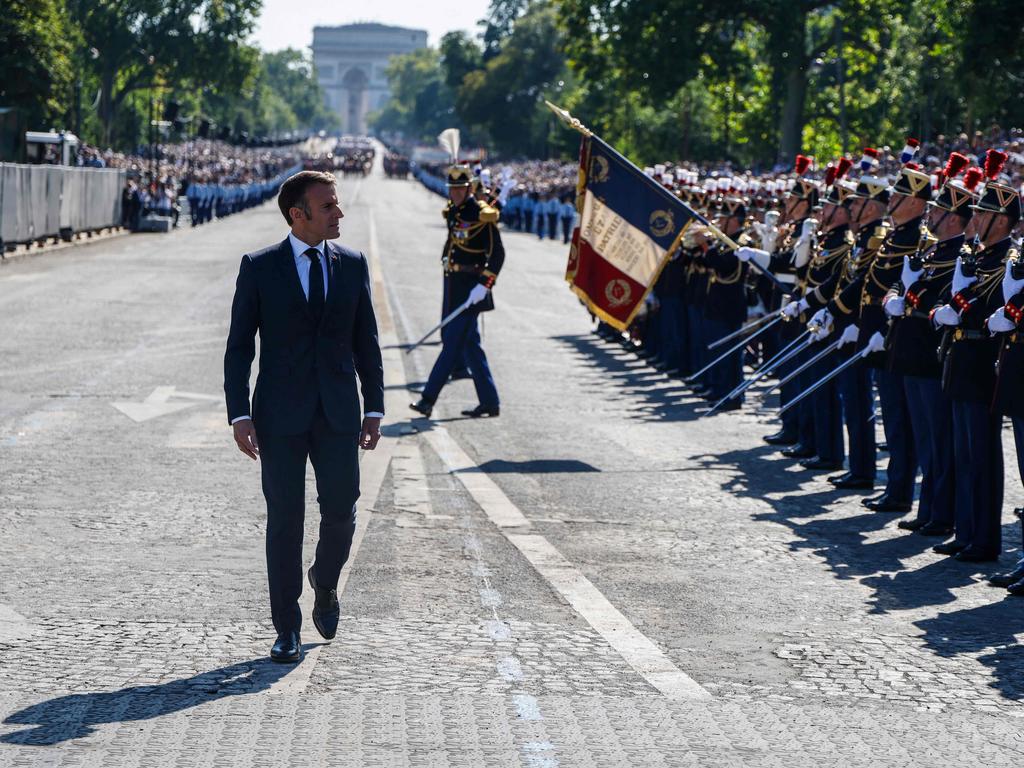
[[302, 362]]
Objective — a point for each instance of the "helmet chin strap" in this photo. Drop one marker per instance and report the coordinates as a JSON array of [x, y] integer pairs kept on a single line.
[[901, 201]]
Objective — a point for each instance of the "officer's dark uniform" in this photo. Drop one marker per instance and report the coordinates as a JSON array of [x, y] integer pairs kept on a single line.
[[913, 348], [473, 255], [854, 384]]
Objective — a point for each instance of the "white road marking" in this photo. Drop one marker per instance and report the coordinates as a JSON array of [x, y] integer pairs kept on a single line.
[[636, 649], [156, 404]]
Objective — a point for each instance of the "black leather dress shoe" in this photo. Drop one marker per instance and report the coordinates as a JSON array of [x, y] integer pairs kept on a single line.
[[851, 482], [886, 503], [1017, 588], [935, 529], [702, 392], [911, 525], [287, 649], [820, 465], [482, 410], [1006, 579], [326, 610], [972, 555], [948, 548], [798, 451], [423, 406], [780, 438]]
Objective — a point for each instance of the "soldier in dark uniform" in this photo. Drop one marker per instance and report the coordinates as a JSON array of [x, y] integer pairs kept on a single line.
[[968, 374], [913, 343], [909, 197], [473, 257], [696, 293], [725, 308], [822, 410], [867, 204]]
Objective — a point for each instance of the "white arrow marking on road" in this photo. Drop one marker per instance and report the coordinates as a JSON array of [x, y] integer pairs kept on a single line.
[[156, 404]]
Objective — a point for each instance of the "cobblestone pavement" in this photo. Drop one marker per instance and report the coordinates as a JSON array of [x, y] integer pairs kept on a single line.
[[596, 578]]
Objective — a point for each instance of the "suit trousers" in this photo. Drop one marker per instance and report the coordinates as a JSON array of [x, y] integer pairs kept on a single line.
[[979, 475], [334, 456], [901, 470], [932, 414], [854, 385], [461, 339]]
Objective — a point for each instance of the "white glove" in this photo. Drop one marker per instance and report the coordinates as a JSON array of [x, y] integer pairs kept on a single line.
[[998, 322], [794, 308], [960, 281], [821, 318], [909, 276], [1011, 287], [759, 257], [821, 333], [849, 336], [894, 306], [875, 344], [946, 315], [478, 294]]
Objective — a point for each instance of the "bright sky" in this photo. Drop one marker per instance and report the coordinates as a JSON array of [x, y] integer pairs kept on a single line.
[[289, 23]]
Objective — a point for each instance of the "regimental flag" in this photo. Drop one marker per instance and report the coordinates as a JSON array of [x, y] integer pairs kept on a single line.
[[629, 227]]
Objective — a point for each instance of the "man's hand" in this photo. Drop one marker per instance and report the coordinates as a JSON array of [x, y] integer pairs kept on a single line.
[[370, 435], [245, 438]]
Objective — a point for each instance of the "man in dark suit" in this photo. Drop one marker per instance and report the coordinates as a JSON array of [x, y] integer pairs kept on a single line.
[[309, 299]]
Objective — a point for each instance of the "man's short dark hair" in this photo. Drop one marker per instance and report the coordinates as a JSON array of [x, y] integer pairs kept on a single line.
[[293, 191]]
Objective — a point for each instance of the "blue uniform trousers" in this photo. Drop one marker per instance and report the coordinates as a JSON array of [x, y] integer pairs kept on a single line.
[[978, 450], [728, 374], [901, 470], [697, 343], [932, 415], [463, 362], [670, 350], [461, 336], [854, 386], [822, 412]]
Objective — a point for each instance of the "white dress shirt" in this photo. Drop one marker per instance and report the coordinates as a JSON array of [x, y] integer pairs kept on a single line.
[[302, 262], [302, 265]]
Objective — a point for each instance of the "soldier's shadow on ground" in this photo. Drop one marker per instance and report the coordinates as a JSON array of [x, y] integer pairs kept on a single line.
[[653, 395], [76, 715], [851, 551]]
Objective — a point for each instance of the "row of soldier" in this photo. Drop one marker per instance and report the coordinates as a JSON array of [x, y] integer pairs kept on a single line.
[[911, 286]]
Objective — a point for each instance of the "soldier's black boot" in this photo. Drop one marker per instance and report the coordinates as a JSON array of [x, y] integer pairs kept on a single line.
[[1006, 579], [782, 437]]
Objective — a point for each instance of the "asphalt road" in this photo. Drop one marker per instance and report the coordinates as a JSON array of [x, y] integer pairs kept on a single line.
[[597, 577]]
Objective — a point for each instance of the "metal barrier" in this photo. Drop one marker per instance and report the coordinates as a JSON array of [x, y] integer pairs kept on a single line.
[[40, 201]]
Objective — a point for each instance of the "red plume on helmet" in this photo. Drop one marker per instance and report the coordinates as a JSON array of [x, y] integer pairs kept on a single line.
[[954, 165], [802, 164], [830, 175], [845, 164], [994, 162], [972, 178]]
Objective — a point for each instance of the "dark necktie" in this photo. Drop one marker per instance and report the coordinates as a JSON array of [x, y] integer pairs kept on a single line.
[[316, 283]]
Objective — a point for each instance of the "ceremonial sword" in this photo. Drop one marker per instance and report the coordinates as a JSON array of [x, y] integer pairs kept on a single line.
[[465, 305], [803, 367], [825, 380], [742, 343], [774, 317], [790, 350]]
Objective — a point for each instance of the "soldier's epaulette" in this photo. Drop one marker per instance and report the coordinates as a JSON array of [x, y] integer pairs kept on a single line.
[[488, 215], [878, 237]]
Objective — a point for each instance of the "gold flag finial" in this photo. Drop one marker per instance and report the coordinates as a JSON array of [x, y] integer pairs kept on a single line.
[[568, 119]]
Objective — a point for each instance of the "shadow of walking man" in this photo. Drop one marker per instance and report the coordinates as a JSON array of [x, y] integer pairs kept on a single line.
[[77, 715]]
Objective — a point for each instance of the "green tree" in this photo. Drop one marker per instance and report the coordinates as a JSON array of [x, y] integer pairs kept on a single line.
[[421, 103], [152, 43], [36, 49]]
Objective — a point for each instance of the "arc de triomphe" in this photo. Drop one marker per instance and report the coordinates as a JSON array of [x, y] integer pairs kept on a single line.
[[350, 62]]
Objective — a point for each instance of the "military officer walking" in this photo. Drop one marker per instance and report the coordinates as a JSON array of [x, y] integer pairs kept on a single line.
[[473, 257]]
